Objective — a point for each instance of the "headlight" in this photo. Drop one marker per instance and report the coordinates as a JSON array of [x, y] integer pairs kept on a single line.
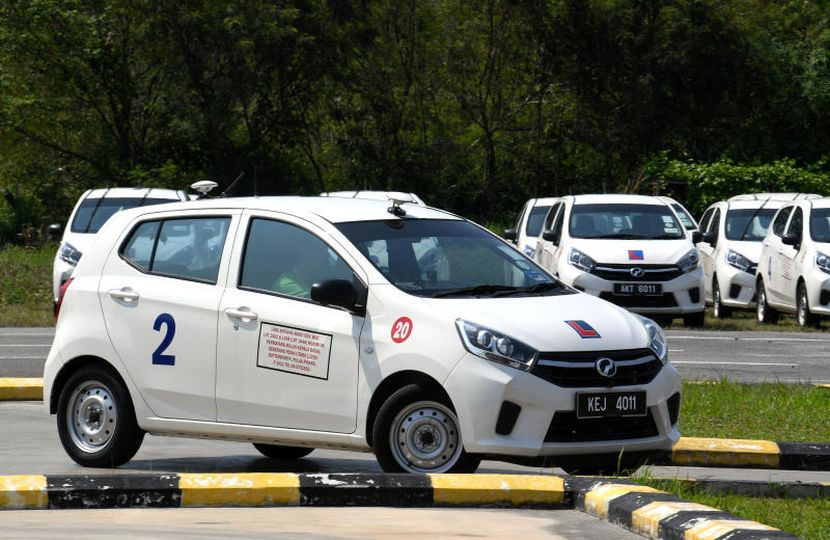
[[733, 258], [656, 340], [496, 346], [580, 260], [689, 261], [69, 254], [529, 251], [823, 262]]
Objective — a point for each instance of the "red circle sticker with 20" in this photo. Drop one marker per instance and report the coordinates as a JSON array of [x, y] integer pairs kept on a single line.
[[401, 329]]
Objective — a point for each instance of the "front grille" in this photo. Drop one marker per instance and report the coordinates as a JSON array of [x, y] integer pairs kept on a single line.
[[566, 427], [578, 369], [651, 272], [659, 301]]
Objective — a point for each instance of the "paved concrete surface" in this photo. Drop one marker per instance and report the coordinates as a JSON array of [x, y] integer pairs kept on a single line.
[[794, 357], [309, 523]]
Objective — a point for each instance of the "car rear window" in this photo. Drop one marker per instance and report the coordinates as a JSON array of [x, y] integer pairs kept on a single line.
[[93, 213]]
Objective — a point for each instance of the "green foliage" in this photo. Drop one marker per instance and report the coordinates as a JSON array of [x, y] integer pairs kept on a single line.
[[26, 285]]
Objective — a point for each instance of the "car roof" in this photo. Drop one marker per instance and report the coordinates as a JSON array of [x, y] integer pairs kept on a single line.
[[824, 202], [752, 204], [546, 201], [136, 193], [375, 195], [331, 209], [617, 198], [773, 196]]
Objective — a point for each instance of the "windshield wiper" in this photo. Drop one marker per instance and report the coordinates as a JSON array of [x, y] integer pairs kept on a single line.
[[475, 290], [621, 236], [667, 237], [539, 287]]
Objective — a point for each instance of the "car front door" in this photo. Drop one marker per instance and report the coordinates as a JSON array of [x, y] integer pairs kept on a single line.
[[284, 360], [160, 294], [709, 225], [549, 248], [788, 254], [774, 248]]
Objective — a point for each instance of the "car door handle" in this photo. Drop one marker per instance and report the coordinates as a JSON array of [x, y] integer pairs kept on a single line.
[[128, 295], [242, 313], [780, 251]]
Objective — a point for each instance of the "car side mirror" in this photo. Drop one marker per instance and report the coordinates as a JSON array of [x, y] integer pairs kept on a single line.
[[510, 234], [549, 235], [710, 238], [791, 239], [697, 237], [54, 231], [335, 292]]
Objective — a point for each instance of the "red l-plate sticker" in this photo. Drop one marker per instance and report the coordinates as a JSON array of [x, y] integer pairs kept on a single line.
[[401, 329]]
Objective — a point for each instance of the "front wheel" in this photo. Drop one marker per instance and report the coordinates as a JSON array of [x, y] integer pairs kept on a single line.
[[763, 312], [96, 420], [274, 451], [803, 314], [718, 309], [416, 433]]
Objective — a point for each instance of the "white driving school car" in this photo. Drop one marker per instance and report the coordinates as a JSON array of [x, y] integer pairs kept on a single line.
[[300, 323]]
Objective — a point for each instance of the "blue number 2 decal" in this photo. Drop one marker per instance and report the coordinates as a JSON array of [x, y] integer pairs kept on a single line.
[[158, 356]]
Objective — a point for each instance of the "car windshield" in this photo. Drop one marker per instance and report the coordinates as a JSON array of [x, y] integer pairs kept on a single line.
[[820, 225], [446, 258], [535, 220], [93, 213], [624, 221], [748, 224], [684, 216]]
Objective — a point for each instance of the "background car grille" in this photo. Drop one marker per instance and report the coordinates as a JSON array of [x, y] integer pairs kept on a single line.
[[663, 300], [651, 272], [566, 427], [578, 369]]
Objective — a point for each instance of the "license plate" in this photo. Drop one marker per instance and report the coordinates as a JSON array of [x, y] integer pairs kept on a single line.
[[638, 289], [610, 404]]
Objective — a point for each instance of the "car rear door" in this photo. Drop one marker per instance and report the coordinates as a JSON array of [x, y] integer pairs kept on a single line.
[[160, 294]]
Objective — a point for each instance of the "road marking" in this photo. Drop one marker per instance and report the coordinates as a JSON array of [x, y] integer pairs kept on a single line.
[[676, 350], [736, 338], [22, 357], [23, 345], [707, 363]]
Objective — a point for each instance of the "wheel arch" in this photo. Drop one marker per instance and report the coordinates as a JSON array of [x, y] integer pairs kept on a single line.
[[71, 367], [395, 382]]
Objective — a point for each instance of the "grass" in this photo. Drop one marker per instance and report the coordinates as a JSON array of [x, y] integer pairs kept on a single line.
[[806, 518], [26, 285], [745, 321]]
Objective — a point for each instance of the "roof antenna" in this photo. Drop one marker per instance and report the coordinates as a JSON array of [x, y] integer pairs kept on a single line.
[[203, 187], [396, 209], [226, 192]]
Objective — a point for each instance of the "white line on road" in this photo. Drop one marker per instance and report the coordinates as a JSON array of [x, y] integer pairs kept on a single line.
[[24, 345], [22, 358], [706, 363], [676, 350], [735, 338]]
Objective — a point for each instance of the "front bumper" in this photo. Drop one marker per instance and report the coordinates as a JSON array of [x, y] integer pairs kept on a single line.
[[683, 294], [737, 288], [478, 388], [818, 290]]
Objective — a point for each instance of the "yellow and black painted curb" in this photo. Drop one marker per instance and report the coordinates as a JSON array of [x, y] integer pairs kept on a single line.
[[21, 389], [641, 509], [657, 514]]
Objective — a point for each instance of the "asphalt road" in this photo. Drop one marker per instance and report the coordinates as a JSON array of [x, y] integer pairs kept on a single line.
[[791, 357]]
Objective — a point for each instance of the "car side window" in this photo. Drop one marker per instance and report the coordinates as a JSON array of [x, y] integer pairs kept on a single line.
[[557, 225], [704, 221], [781, 221], [286, 259], [796, 223], [187, 248], [714, 228]]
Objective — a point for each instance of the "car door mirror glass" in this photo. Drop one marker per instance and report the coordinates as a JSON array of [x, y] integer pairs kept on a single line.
[[335, 292], [710, 238], [697, 237], [549, 235], [790, 239], [509, 234]]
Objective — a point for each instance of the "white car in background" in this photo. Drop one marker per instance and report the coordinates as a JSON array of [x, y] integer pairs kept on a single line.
[[529, 224], [683, 215], [92, 210], [730, 247], [627, 249], [794, 268], [299, 323]]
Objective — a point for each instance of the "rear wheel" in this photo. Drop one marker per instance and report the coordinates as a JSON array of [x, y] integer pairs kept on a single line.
[[803, 314], [96, 420], [416, 432], [718, 309], [764, 314], [274, 451]]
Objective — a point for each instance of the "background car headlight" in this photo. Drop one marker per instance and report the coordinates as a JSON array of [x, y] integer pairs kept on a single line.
[[69, 254], [580, 260], [656, 340], [733, 258], [823, 262], [689, 261], [496, 346]]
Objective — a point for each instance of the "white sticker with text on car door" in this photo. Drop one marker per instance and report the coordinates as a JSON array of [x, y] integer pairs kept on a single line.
[[294, 350]]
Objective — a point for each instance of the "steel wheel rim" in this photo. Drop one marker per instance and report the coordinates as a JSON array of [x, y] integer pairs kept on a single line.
[[91, 416], [802, 308], [716, 306], [425, 438], [762, 304]]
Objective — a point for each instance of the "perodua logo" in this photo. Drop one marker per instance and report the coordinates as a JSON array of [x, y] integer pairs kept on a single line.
[[606, 367], [637, 272]]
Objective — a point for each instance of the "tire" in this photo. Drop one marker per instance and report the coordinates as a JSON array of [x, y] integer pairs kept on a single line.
[[694, 320], [415, 432], [96, 419], [803, 314], [718, 309], [764, 314], [274, 451]]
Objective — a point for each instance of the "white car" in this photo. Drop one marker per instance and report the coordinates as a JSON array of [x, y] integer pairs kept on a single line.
[[376, 195], [295, 323], [731, 247], [529, 224], [683, 215], [627, 249], [91, 211], [794, 268]]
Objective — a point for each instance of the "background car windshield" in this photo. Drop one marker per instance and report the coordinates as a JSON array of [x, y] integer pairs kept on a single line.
[[636, 221], [684, 217], [820, 225], [428, 257], [748, 224], [536, 219], [93, 213]]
